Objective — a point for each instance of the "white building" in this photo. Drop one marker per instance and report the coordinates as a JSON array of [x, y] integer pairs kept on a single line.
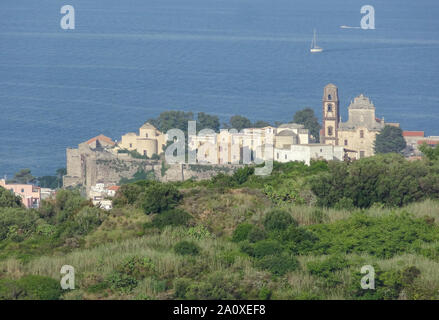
[[307, 152]]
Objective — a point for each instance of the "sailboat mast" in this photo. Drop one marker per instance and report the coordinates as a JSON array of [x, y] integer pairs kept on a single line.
[[314, 39]]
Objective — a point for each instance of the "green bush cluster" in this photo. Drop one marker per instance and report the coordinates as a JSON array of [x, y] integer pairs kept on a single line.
[[186, 248], [173, 217], [151, 196], [388, 179], [30, 287], [9, 200], [382, 237], [278, 264], [327, 269], [388, 284], [24, 232]]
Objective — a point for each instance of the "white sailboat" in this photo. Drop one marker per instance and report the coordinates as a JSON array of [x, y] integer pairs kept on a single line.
[[314, 47]]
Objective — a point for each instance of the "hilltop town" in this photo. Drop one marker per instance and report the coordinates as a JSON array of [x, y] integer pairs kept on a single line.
[[101, 163], [134, 225], [99, 166]]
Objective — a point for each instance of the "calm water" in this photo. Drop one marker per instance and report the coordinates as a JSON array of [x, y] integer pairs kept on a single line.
[[129, 60]]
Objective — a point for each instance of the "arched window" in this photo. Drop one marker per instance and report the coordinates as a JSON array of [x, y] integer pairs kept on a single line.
[[329, 97], [330, 107], [329, 131], [361, 134]]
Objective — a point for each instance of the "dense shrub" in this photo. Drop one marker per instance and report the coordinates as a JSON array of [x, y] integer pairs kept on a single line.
[[222, 181], [389, 179], [136, 267], [298, 240], [159, 197], [67, 204], [327, 268], [173, 217], [9, 289], [265, 248], [242, 231], [181, 286], [30, 287], [388, 284], [17, 224], [186, 248], [127, 195], [8, 199], [278, 264], [121, 282], [217, 286], [242, 174], [382, 237], [89, 218], [283, 193], [256, 234], [278, 219]]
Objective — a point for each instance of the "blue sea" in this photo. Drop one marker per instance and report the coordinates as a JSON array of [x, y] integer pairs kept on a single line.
[[129, 60]]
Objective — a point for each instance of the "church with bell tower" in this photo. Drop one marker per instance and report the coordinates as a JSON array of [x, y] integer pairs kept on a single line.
[[357, 134]]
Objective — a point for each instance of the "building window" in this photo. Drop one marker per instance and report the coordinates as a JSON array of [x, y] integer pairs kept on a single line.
[[329, 97], [131, 145], [144, 152], [22, 190], [361, 154], [285, 157], [278, 155], [329, 131], [361, 134], [146, 135], [346, 142], [321, 150], [330, 107]]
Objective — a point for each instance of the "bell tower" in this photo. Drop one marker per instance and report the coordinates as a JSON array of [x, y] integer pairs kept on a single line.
[[331, 115]]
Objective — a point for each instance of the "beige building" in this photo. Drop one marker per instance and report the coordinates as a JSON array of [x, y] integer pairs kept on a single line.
[[357, 134], [232, 147], [149, 141], [291, 134], [250, 145]]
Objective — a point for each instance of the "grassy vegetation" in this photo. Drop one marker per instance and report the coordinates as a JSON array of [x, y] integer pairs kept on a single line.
[[232, 237]]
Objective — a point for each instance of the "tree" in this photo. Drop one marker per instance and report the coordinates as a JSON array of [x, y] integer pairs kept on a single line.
[[261, 124], [206, 121], [159, 197], [389, 140], [172, 120], [430, 152], [240, 122], [8, 199], [52, 182], [309, 120], [23, 176]]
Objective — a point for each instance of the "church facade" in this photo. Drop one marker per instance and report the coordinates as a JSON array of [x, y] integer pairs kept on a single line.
[[357, 134]]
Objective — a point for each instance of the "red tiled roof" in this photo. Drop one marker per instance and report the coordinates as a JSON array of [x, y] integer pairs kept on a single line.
[[101, 137], [115, 188], [429, 142], [413, 133]]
